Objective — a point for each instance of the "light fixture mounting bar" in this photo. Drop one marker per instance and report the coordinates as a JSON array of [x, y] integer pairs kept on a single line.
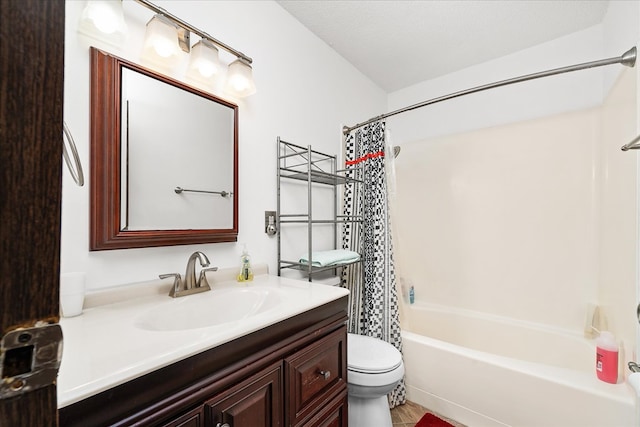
[[193, 29]]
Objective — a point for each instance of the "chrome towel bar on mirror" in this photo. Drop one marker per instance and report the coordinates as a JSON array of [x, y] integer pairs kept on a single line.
[[631, 145], [76, 173], [223, 193]]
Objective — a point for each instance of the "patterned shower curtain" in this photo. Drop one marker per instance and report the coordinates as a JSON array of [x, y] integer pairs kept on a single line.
[[373, 301]]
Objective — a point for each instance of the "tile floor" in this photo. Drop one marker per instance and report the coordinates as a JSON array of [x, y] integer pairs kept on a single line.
[[409, 414]]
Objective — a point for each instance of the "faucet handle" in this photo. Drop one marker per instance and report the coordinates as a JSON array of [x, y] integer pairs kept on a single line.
[[202, 280], [177, 283]]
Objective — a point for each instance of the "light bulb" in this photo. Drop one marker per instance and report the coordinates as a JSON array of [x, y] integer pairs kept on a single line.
[[104, 20], [163, 47], [204, 59], [104, 17], [161, 40], [240, 78]]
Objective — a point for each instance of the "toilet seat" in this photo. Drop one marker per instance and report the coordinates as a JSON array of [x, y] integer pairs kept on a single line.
[[368, 355]]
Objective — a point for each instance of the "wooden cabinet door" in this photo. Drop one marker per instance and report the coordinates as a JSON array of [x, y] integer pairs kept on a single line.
[[31, 92], [255, 402]]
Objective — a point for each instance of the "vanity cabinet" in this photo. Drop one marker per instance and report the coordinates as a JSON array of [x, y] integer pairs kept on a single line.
[[293, 373]]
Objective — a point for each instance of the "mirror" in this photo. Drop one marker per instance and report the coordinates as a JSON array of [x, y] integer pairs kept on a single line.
[[164, 160]]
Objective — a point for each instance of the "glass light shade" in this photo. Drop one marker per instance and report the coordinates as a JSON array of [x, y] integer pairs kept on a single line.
[[240, 78], [204, 62], [161, 41], [104, 20]]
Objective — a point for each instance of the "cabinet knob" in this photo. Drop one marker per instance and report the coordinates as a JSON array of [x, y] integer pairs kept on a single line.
[[325, 374], [223, 425]]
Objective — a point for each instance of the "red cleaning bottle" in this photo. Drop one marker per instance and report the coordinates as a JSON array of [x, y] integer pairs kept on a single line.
[[607, 357]]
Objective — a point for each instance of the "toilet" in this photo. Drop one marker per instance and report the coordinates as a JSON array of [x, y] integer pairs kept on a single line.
[[374, 368]]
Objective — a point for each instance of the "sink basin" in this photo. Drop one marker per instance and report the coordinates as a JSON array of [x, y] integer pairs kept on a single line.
[[207, 309]]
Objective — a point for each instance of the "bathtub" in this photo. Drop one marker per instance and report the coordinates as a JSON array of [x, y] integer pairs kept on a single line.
[[484, 370]]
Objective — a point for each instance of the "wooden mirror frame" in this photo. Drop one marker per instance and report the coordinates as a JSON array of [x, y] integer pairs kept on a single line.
[[105, 193]]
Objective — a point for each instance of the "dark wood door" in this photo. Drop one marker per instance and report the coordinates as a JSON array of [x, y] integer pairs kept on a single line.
[[31, 92], [256, 402]]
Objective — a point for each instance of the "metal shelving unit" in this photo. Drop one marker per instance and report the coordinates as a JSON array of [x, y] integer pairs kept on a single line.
[[300, 163]]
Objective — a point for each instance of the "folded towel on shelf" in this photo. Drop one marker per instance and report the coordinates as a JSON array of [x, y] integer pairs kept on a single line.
[[331, 280], [329, 258]]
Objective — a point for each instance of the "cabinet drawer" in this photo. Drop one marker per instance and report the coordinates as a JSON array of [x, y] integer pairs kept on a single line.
[[315, 375], [333, 415], [255, 402]]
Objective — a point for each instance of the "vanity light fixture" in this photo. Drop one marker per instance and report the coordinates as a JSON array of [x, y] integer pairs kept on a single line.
[[204, 62], [105, 20], [239, 76], [166, 34]]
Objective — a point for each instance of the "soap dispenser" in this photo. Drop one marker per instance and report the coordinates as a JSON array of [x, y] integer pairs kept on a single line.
[[246, 274]]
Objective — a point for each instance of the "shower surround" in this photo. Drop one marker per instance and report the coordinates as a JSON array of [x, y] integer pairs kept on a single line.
[[532, 221]]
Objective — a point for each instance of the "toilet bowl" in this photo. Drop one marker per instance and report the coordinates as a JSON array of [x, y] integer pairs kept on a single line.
[[374, 368]]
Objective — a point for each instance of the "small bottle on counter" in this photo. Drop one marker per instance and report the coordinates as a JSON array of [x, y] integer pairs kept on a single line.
[[607, 357], [246, 274]]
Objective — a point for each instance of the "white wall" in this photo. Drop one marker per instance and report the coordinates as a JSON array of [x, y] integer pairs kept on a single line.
[[621, 32], [306, 92]]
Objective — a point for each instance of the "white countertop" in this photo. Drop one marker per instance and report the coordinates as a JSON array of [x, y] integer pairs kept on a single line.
[[103, 347]]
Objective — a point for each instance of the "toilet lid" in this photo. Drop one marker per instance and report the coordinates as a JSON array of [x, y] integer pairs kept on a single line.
[[371, 355]]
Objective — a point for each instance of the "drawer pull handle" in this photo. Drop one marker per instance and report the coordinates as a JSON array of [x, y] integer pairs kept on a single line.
[[325, 374], [223, 425]]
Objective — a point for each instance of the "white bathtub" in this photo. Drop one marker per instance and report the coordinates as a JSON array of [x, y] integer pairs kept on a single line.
[[485, 370]]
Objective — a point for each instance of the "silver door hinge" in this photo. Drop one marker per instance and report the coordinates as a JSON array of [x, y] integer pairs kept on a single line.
[[29, 359]]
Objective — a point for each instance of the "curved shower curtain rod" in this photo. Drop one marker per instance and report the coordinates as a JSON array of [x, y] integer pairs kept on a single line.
[[628, 59]]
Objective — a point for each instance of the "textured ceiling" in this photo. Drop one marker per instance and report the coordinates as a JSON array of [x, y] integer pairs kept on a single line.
[[400, 43]]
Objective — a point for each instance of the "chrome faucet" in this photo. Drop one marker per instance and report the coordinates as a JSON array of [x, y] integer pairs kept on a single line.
[[190, 274], [190, 285]]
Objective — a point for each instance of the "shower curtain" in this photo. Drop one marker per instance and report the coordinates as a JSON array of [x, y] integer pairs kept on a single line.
[[373, 301]]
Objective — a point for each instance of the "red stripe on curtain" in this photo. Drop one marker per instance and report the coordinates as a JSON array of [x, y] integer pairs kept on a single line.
[[365, 157]]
